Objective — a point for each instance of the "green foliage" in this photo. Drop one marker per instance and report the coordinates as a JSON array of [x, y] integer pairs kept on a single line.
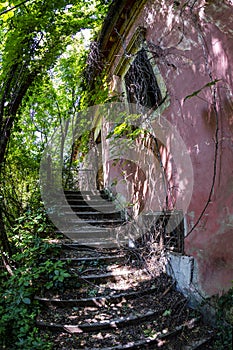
[[43, 51], [128, 130], [167, 313], [29, 226], [98, 93], [224, 338], [17, 305], [126, 125], [19, 177], [224, 307]]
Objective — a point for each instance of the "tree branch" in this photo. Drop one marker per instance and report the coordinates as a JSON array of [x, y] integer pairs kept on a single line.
[[14, 7], [6, 264]]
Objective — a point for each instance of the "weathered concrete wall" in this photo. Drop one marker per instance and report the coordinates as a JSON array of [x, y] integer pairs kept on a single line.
[[203, 55], [192, 45]]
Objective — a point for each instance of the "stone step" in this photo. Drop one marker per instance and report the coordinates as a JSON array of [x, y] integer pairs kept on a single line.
[[89, 230], [97, 259], [74, 245], [78, 192], [92, 202], [121, 274], [95, 301], [87, 197], [102, 208], [94, 231], [176, 337], [152, 342], [87, 215], [96, 326], [97, 222], [93, 243], [88, 235]]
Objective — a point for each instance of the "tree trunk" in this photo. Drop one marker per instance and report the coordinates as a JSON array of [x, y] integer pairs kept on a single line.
[[4, 241]]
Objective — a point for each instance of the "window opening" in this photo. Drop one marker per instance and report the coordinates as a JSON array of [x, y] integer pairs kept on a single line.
[[141, 84]]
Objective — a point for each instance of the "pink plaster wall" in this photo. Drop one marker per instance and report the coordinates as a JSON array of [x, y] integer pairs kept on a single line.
[[194, 47]]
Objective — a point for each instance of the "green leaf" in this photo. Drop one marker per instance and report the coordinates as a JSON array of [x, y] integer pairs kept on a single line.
[[48, 285], [167, 313], [26, 301]]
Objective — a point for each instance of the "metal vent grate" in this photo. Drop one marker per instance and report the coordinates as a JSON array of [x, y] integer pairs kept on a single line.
[[167, 229]]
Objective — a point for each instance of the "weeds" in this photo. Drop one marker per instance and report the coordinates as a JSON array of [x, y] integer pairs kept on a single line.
[[31, 271], [224, 336]]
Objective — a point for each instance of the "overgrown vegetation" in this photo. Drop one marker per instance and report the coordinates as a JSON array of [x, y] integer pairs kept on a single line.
[[43, 57], [43, 53], [224, 321], [30, 270]]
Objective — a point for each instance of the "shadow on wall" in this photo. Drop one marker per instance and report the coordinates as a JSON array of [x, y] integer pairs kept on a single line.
[[145, 183], [211, 243]]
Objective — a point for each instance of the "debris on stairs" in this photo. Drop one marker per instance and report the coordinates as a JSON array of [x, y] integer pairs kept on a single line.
[[112, 301], [102, 307]]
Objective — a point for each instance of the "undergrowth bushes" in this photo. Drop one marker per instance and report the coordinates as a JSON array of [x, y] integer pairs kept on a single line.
[[31, 270], [224, 306]]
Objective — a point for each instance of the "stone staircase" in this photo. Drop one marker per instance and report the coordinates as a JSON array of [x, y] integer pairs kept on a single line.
[[112, 299], [96, 218]]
